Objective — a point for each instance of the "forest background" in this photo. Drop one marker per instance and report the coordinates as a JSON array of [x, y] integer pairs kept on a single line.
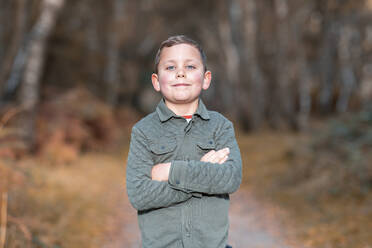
[[75, 76]]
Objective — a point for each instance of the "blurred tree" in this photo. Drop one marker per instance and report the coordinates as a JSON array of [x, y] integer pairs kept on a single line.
[[29, 91], [256, 90], [111, 73], [283, 95], [19, 30], [303, 77], [230, 54], [347, 75]]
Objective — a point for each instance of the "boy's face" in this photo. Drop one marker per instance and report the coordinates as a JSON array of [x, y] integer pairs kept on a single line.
[[181, 75]]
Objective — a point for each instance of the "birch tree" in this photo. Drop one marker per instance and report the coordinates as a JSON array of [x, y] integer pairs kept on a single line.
[[29, 91], [17, 36]]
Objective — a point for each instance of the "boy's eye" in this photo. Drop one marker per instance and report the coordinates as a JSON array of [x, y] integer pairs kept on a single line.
[[170, 67], [190, 67]]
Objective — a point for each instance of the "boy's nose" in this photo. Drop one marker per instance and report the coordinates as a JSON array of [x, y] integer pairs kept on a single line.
[[180, 73]]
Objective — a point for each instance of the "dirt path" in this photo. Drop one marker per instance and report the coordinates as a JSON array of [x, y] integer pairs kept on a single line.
[[254, 224]]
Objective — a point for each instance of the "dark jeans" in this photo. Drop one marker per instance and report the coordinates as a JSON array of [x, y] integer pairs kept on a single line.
[[228, 246]]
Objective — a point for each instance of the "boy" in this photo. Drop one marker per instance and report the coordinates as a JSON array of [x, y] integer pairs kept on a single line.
[[183, 160]]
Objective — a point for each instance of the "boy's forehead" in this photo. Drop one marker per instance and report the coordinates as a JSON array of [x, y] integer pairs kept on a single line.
[[180, 51]]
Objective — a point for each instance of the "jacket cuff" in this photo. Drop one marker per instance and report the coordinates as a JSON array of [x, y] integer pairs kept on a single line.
[[178, 174]]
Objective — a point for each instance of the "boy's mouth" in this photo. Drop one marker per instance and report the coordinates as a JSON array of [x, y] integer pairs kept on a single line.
[[181, 84]]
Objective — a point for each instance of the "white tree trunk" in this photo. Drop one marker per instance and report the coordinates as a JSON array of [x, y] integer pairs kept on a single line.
[[29, 92], [14, 46]]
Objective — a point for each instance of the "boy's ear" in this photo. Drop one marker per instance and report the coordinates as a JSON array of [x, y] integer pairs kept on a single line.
[[207, 80], [155, 81]]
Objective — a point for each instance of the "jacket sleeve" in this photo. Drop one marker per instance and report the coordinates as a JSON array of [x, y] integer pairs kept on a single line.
[[144, 193], [210, 178]]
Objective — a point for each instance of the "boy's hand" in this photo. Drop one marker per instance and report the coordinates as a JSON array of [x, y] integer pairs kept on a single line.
[[160, 172], [217, 157]]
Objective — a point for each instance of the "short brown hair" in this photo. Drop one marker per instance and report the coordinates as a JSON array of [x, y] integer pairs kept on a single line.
[[176, 40]]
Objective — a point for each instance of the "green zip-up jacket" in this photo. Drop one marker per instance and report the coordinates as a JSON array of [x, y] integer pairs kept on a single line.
[[190, 210]]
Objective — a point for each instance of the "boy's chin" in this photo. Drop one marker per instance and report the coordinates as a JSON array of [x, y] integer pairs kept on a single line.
[[185, 98], [182, 100]]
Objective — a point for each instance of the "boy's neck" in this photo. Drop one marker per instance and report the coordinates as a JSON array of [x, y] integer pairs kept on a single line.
[[183, 109]]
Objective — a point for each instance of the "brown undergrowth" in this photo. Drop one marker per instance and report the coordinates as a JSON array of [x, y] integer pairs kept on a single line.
[[55, 194]]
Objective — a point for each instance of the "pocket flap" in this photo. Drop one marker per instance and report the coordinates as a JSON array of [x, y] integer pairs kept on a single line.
[[163, 146], [208, 144]]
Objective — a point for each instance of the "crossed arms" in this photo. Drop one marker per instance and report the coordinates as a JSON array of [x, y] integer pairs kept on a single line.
[[160, 172], [163, 185]]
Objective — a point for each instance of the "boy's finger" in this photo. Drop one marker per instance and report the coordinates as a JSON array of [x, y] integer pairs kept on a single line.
[[223, 160], [213, 158], [218, 156], [207, 156], [210, 154], [226, 149], [223, 152]]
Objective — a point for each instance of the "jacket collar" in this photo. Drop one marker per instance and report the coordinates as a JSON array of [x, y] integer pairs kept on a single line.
[[165, 113]]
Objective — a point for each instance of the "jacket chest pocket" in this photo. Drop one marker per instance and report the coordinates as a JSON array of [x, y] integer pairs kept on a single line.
[[204, 146], [163, 150]]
